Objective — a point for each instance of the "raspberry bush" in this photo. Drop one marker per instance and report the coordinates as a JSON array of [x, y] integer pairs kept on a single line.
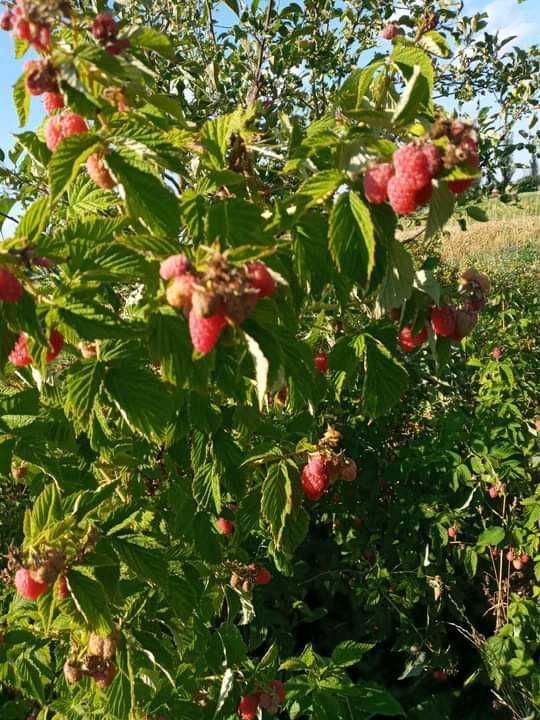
[[213, 327]]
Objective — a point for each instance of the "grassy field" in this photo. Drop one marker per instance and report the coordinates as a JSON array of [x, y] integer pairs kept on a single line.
[[512, 230]]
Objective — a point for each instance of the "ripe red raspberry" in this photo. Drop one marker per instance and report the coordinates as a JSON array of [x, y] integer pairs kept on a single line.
[[104, 27], [261, 576], [40, 77], [59, 127], [321, 362], [205, 332], [460, 186], [443, 321], [62, 590], [56, 343], [174, 266], [261, 279], [376, 182], [434, 159], [11, 289], [27, 587], [248, 707], [180, 291], [224, 526], [117, 47], [440, 676], [52, 101], [6, 21], [452, 532], [412, 164], [98, 172], [390, 31], [409, 342], [313, 487], [404, 199], [465, 323]]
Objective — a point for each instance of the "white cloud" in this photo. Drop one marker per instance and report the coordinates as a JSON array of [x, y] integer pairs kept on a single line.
[[512, 19]]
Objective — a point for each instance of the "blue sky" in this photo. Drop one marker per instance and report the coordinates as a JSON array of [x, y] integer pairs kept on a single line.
[[507, 16]]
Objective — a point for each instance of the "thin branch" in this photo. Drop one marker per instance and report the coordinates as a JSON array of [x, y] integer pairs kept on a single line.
[[211, 24], [9, 217], [256, 86]]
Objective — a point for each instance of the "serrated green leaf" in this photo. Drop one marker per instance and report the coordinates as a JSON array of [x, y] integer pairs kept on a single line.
[[21, 99], [385, 378], [66, 160]]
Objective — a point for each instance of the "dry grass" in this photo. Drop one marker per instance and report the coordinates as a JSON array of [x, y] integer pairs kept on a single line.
[[510, 230]]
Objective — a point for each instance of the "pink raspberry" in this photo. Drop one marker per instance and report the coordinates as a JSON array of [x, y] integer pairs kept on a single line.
[[104, 27], [174, 266], [261, 576], [402, 196], [27, 587], [412, 164], [59, 127], [53, 101], [376, 182], [408, 341], [443, 321], [497, 353], [261, 279], [434, 159], [11, 289], [224, 526], [98, 172], [19, 356], [205, 332], [390, 31], [315, 477]]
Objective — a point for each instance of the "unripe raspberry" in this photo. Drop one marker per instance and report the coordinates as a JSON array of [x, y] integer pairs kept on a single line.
[[62, 590], [452, 532], [72, 673], [465, 324], [321, 362], [408, 341], [412, 164], [104, 27], [53, 101], [434, 159], [98, 172], [11, 289], [224, 526], [205, 331], [27, 587], [390, 31], [517, 564], [376, 182], [260, 279], [174, 266], [180, 291], [105, 677], [6, 21], [248, 707], [443, 321], [510, 555]]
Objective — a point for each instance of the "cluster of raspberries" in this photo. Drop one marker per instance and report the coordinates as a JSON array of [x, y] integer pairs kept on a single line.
[[451, 321], [98, 662], [406, 182], [269, 698], [245, 577], [325, 466], [20, 355], [44, 570], [105, 31], [222, 294], [31, 20], [41, 78]]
